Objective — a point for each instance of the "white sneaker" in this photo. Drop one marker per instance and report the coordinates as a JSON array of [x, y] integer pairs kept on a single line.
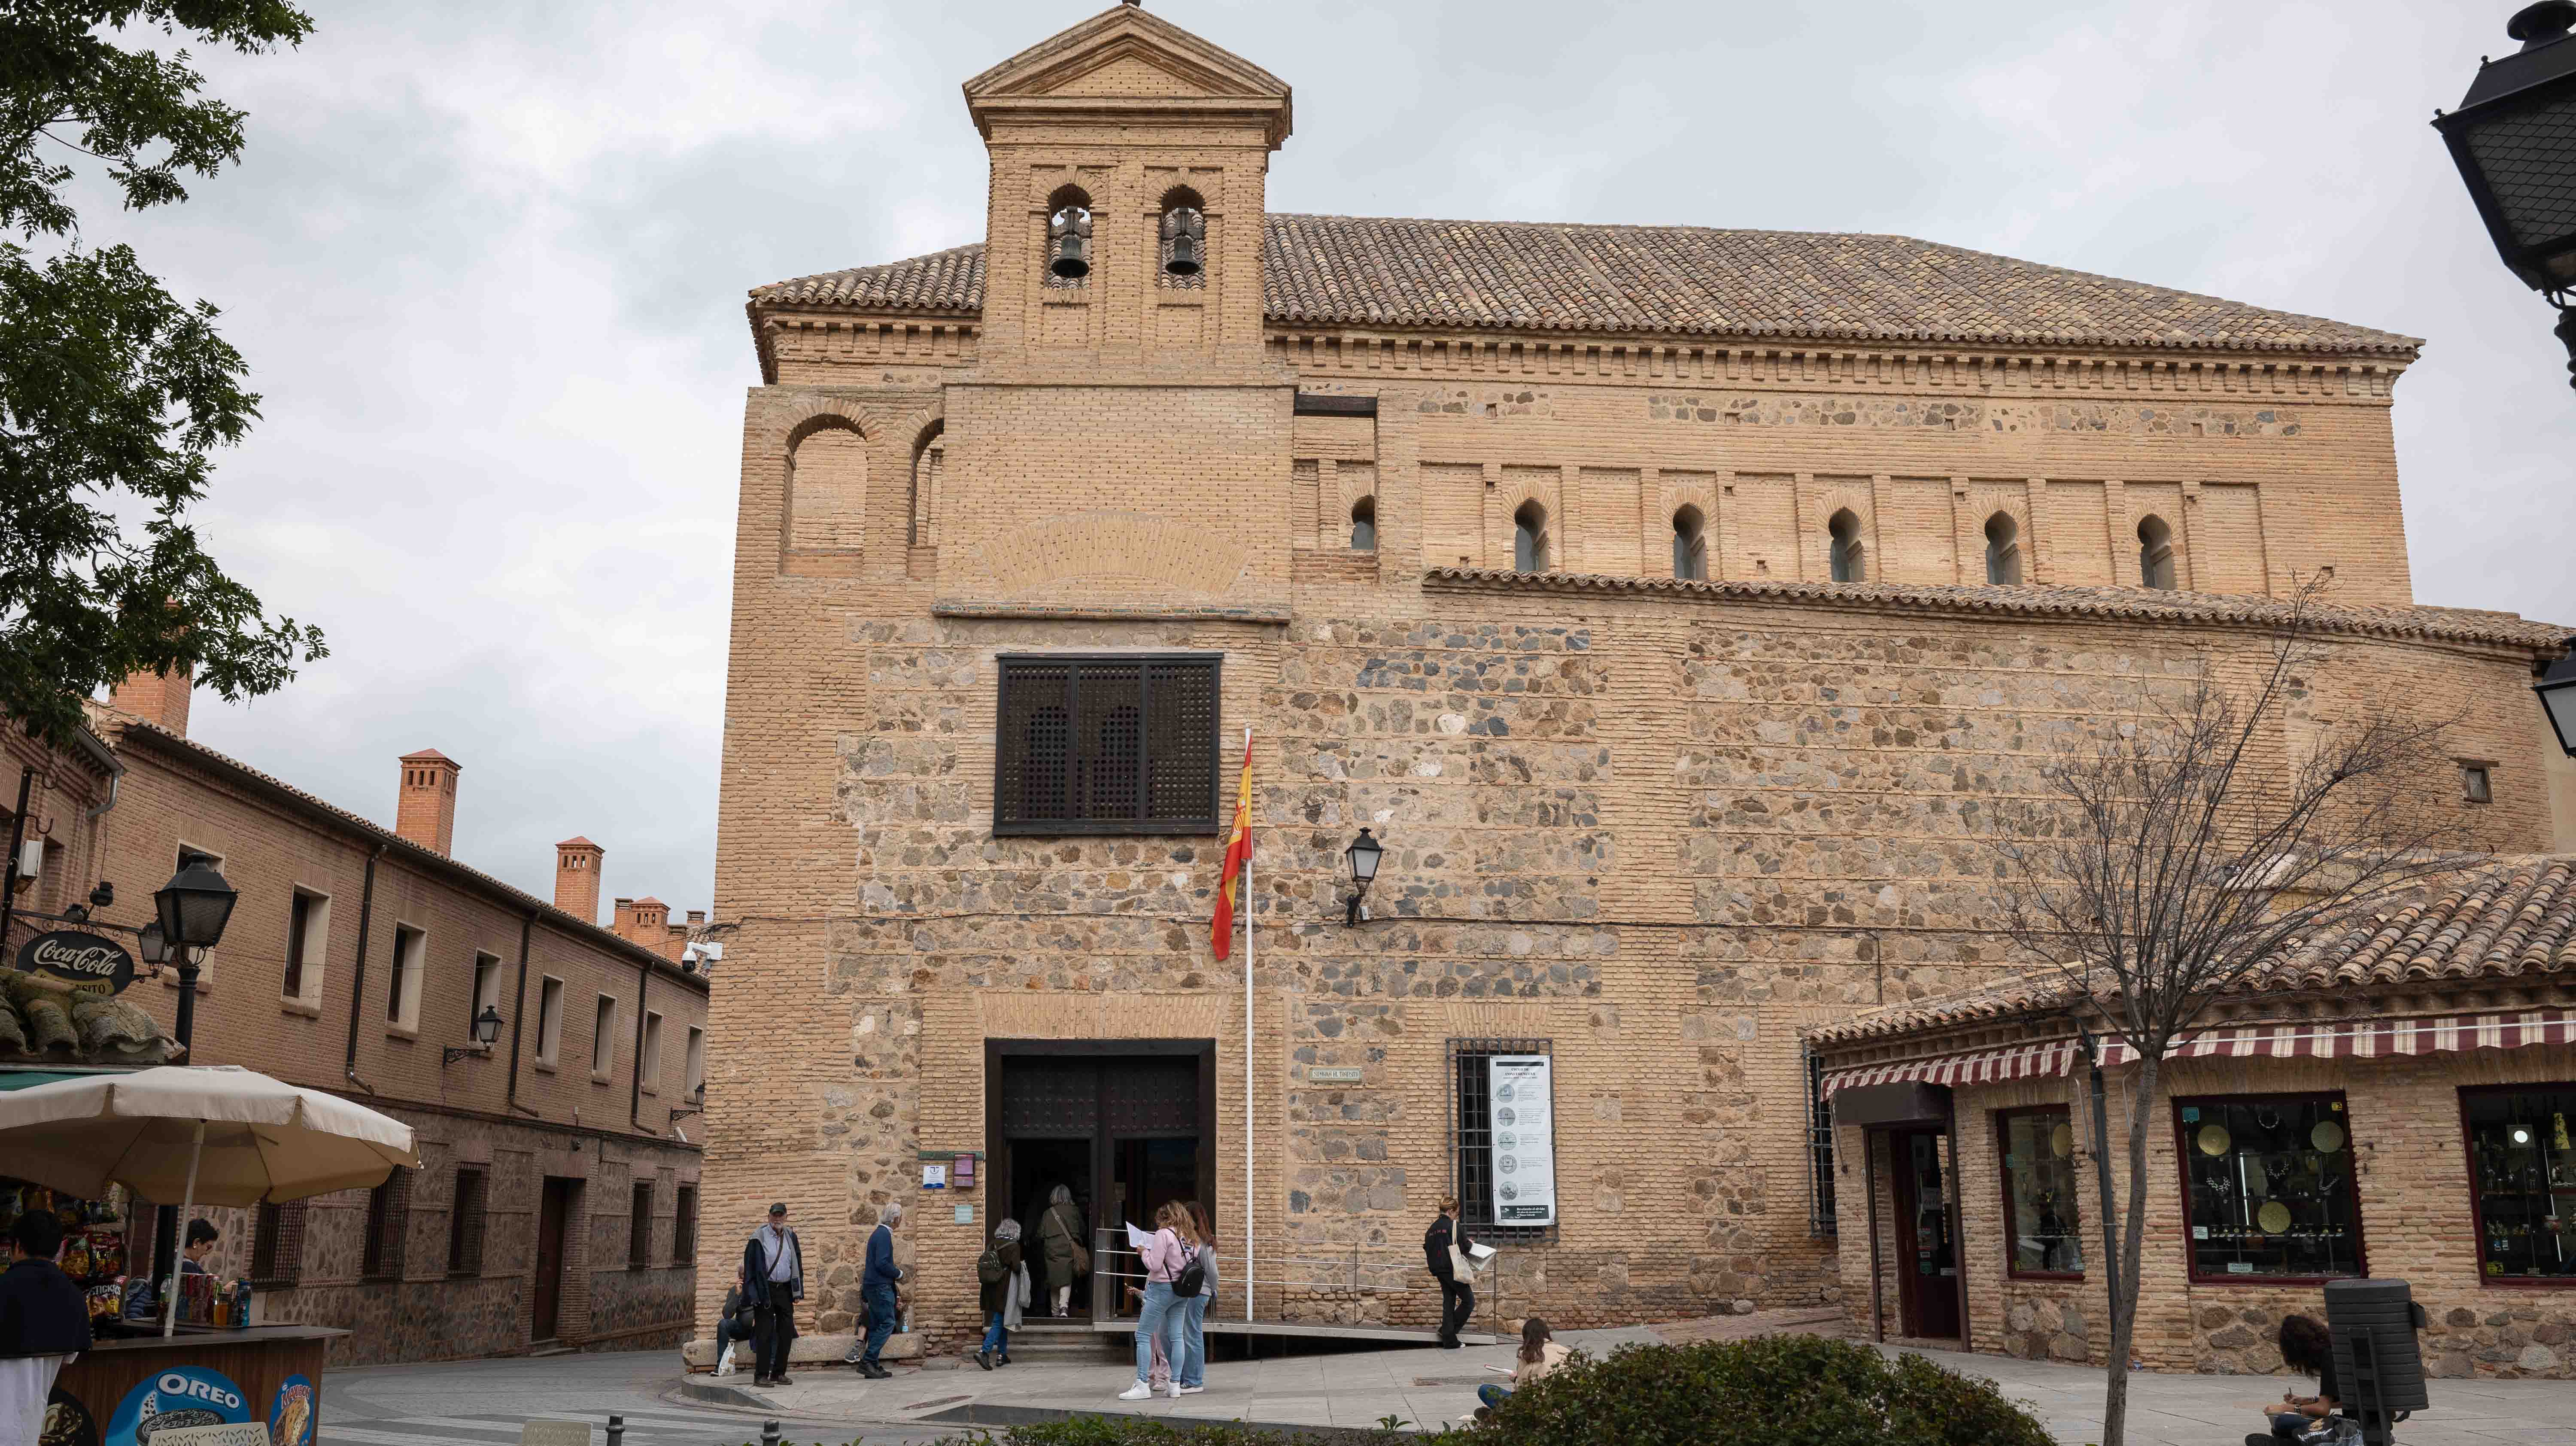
[[1191, 1390], [1175, 1388], [1137, 1392]]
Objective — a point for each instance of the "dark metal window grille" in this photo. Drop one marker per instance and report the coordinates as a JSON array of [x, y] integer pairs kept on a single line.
[[1107, 744], [388, 1220], [277, 1245], [1820, 1152], [639, 1229], [1472, 1138], [684, 1225], [465, 1224]]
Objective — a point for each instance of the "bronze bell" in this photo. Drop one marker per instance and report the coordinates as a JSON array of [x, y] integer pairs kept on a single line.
[[1184, 232], [1069, 243]]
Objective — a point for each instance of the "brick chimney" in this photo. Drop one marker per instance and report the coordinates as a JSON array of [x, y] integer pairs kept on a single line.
[[621, 918], [160, 699], [425, 810], [577, 878]]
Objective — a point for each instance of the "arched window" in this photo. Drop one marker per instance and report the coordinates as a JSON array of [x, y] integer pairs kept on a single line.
[[924, 491], [1184, 238], [1690, 546], [2003, 550], [1848, 564], [1068, 236], [1364, 525], [2155, 553], [1529, 538]]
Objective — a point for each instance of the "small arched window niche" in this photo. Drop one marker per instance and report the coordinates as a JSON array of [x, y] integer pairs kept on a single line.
[[1183, 237], [2003, 550], [2155, 553], [1690, 546], [923, 494], [1529, 538], [1849, 565], [1364, 525], [1068, 253]]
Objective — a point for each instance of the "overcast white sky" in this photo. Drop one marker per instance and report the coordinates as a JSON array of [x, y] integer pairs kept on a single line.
[[488, 265]]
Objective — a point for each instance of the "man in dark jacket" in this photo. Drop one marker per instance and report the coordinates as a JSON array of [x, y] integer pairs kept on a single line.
[[773, 1272], [1457, 1298], [877, 1285], [44, 1323]]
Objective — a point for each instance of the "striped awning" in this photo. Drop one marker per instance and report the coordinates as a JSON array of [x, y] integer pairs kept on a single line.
[[2357, 1039]]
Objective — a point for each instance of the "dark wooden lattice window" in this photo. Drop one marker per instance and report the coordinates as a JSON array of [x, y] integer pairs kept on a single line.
[[277, 1245], [465, 1224], [639, 1229], [1113, 744], [684, 1225], [388, 1222]]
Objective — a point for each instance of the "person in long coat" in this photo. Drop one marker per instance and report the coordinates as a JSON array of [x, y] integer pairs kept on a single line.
[[1059, 1230], [1002, 1300]]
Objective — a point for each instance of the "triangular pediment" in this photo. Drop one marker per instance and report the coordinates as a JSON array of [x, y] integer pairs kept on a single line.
[[1125, 55]]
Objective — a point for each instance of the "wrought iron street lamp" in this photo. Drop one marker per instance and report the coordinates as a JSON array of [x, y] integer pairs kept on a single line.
[[192, 910], [487, 1032], [1363, 854], [2514, 138], [2557, 690]]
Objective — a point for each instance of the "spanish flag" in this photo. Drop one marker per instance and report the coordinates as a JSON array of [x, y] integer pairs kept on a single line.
[[1238, 853]]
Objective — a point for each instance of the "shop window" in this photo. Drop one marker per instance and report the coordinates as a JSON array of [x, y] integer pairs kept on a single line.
[[388, 1222], [277, 1245], [1820, 1152], [2268, 1191], [684, 1225], [1486, 1131], [308, 931], [1529, 538], [465, 1224], [1364, 525], [2041, 1209], [2522, 1173], [2003, 550], [639, 1229], [1089, 744], [1690, 546], [1842, 530], [549, 1021]]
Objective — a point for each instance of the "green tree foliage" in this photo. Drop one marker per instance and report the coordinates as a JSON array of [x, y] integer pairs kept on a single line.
[[113, 393]]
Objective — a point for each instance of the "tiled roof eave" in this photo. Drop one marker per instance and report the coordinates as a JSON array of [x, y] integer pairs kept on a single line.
[[2052, 601]]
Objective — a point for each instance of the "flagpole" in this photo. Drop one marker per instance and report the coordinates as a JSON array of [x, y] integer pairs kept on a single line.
[[1247, 1049]]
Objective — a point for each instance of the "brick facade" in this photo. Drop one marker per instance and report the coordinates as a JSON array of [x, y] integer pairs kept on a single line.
[[518, 1113], [1662, 825]]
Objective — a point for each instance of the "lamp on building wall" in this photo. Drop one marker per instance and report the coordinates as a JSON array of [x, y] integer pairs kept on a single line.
[[2557, 690], [192, 910], [2514, 139], [1363, 854], [487, 1032]]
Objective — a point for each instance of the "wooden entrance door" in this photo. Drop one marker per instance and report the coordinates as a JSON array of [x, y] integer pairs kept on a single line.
[[552, 1210], [1927, 1259]]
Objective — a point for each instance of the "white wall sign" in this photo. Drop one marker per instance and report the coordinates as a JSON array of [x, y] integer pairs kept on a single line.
[[1521, 1096]]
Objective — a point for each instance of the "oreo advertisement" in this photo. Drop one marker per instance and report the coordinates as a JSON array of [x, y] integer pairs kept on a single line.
[[169, 1401], [290, 1413]]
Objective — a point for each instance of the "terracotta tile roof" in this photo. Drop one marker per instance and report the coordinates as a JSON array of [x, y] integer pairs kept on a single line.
[[1666, 280], [2126, 604], [2514, 919]]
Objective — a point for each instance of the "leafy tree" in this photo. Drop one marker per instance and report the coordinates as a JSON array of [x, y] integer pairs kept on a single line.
[[113, 393]]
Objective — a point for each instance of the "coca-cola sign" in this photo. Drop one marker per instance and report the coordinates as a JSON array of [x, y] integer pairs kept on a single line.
[[78, 958]]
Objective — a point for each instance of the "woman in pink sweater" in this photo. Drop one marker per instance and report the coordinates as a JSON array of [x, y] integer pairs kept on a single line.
[[1173, 1246]]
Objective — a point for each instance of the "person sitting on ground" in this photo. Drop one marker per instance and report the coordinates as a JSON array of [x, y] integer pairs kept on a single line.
[[2308, 1349], [1539, 1354]]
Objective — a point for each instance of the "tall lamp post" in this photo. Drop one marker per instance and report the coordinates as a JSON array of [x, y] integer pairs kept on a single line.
[[2514, 138]]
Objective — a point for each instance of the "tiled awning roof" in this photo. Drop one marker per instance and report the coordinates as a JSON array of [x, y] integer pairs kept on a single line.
[[1664, 280]]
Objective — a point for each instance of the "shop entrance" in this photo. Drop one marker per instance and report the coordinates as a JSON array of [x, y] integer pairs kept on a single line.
[[1123, 1126], [1927, 1260]]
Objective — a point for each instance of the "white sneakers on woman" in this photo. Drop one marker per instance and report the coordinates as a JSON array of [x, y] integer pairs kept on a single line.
[[1137, 1392]]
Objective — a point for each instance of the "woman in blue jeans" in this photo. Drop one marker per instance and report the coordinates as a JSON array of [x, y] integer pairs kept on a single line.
[[1165, 1255], [1191, 1370]]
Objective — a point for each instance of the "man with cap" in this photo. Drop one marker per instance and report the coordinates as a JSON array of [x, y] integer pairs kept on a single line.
[[773, 1273]]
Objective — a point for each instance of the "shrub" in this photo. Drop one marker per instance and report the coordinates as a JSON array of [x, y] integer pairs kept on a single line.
[[1769, 1391]]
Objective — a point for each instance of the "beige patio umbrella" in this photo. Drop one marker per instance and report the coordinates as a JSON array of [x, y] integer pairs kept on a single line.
[[204, 1134]]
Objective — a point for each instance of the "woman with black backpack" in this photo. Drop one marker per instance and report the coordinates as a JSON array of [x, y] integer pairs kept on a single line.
[[1002, 1282]]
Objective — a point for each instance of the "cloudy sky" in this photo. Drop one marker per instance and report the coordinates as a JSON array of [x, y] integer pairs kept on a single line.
[[488, 265]]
